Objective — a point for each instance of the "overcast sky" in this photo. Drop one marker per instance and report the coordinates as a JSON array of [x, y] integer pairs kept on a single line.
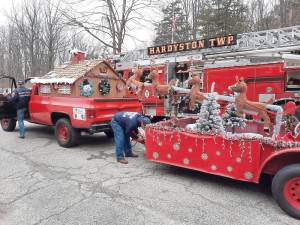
[[144, 32]]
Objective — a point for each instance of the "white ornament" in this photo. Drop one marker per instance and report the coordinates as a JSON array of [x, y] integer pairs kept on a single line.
[[229, 169], [238, 160], [176, 146], [186, 161], [204, 156], [248, 175], [155, 155], [213, 167]]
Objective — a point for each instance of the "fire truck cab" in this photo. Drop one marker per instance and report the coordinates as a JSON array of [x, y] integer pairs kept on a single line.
[[276, 82]]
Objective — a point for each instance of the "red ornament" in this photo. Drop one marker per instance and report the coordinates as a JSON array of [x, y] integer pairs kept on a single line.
[[290, 108]]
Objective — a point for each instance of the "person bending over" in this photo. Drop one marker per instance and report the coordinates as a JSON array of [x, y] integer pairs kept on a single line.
[[125, 125]]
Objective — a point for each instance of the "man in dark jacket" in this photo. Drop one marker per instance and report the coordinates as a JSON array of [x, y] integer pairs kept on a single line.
[[125, 125], [20, 99]]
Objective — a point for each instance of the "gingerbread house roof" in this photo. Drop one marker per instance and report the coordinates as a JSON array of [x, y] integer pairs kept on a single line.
[[69, 73]]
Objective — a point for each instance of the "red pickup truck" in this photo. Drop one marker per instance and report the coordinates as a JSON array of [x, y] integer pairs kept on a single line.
[[73, 98]]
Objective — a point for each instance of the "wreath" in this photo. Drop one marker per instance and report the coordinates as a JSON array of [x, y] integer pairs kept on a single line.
[[104, 87], [86, 88]]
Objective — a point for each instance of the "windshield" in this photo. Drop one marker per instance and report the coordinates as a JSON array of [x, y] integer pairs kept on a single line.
[[293, 80], [7, 85]]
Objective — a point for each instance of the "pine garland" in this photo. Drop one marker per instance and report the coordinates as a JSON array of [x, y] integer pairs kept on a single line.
[[104, 87]]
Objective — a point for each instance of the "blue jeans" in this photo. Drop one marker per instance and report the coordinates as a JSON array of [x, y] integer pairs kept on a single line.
[[122, 141], [20, 115]]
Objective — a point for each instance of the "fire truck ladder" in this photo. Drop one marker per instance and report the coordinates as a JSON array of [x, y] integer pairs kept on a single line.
[[269, 42], [254, 43]]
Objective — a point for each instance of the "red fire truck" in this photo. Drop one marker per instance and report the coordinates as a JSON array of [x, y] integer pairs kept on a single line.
[[268, 60]]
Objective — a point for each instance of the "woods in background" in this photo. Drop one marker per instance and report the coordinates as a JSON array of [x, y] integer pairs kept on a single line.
[[36, 38], [39, 34], [195, 19]]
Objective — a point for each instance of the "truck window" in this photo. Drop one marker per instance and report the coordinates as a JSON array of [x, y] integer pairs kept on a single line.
[[7, 85], [145, 75], [293, 80]]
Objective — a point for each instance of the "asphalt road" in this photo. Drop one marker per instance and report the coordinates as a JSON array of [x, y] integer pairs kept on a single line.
[[42, 183]]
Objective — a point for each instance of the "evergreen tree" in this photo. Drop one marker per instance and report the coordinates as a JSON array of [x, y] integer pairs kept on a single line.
[[164, 28], [231, 119], [223, 17], [210, 120]]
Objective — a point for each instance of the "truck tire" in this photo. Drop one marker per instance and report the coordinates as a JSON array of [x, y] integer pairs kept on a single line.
[[65, 134], [109, 134], [8, 125], [286, 189]]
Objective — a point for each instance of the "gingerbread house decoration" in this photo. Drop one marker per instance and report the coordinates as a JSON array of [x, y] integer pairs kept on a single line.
[[82, 78]]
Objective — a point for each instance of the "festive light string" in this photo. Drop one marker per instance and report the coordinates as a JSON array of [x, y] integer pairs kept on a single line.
[[163, 126]]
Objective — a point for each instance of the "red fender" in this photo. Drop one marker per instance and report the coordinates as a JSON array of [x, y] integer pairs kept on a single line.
[[280, 159]]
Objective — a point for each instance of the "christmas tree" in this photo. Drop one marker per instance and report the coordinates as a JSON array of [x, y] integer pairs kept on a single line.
[[231, 119], [210, 120]]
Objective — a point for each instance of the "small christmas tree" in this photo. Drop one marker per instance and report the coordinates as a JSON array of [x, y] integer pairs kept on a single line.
[[210, 120], [231, 119]]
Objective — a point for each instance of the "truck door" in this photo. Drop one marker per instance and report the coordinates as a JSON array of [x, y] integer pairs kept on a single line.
[[268, 82], [8, 84]]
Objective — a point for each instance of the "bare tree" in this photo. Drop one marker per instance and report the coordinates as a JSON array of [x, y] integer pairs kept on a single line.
[[27, 21], [289, 12], [3, 51], [109, 21], [53, 37], [192, 10], [38, 32]]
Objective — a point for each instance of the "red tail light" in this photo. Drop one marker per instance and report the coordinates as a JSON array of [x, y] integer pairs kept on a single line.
[[90, 113]]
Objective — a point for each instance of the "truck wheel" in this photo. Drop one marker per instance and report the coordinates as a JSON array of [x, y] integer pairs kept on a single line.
[[286, 189], [65, 134], [8, 125], [109, 134]]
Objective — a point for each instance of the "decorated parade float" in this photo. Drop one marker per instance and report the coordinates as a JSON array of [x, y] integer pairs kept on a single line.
[[226, 144]]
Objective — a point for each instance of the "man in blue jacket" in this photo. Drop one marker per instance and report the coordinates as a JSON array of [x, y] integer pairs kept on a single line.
[[20, 99], [125, 125]]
